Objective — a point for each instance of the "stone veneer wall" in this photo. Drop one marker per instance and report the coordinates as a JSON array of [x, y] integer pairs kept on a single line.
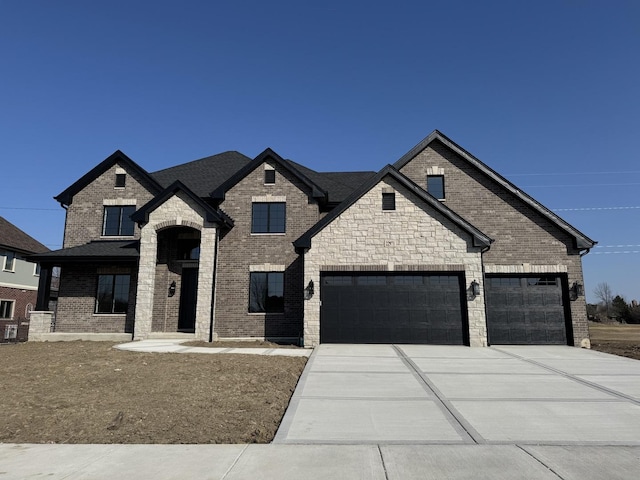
[[411, 235], [525, 241], [178, 210]]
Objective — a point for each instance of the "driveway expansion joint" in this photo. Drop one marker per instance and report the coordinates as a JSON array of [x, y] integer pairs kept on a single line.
[[452, 414]]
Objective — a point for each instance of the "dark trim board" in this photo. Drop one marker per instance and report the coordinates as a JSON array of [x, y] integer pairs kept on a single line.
[[393, 307]]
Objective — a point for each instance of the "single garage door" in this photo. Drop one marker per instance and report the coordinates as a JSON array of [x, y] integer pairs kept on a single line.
[[363, 307], [526, 310]]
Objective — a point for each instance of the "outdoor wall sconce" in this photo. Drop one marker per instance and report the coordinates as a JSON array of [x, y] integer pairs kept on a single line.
[[475, 288], [172, 289], [308, 291], [576, 290]]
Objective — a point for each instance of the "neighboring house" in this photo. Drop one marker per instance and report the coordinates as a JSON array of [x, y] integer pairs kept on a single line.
[[436, 248], [18, 281]]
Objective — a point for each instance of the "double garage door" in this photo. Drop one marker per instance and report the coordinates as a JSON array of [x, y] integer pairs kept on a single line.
[[393, 308], [430, 308]]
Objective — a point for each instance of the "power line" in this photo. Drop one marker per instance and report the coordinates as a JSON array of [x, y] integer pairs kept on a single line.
[[584, 185], [627, 252], [592, 208], [568, 173], [30, 208], [616, 246]]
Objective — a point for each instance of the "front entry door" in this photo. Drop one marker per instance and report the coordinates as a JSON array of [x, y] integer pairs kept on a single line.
[[188, 298]]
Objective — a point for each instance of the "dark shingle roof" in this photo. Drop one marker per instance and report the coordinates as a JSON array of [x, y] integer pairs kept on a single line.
[[338, 185], [203, 175], [11, 237], [107, 250]]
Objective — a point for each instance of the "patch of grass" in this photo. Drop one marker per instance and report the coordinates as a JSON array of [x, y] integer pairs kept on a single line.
[[88, 392]]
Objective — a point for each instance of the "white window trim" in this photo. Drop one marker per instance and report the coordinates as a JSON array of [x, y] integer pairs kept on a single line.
[[13, 308], [4, 262], [35, 270]]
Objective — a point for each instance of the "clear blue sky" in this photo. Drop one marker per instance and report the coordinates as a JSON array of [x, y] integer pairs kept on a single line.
[[544, 92]]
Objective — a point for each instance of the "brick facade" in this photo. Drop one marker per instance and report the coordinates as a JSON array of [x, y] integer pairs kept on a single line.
[[413, 236], [84, 217], [24, 301], [239, 249], [523, 237]]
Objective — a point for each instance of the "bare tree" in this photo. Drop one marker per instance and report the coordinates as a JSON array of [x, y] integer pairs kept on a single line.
[[604, 293]]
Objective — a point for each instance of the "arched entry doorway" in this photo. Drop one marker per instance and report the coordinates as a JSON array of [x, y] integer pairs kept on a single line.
[[176, 280]]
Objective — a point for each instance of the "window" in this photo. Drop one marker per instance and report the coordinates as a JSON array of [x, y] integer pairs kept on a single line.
[[188, 248], [268, 217], [269, 177], [113, 294], [121, 180], [36, 270], [435, 186], [9, 261], [388, 201], [6, 309], [117, 221], [266, 292]]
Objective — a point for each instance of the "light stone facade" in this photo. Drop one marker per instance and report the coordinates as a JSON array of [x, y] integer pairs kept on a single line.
[[178, 210], [366, 237]]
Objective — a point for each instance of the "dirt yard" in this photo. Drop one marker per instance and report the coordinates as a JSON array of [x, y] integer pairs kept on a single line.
[[88, 392], [623, 340]]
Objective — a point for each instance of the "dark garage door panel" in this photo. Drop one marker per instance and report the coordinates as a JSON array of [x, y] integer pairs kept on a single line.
[[401, 308], [526, 310]]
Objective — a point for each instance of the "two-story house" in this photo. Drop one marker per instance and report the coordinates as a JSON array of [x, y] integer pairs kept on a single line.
[[436, 248], [19, 278]]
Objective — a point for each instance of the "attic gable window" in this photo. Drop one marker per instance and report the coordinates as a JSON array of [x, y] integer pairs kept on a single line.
[[435, 186], [388, 201], [121, 180], [269, 177]]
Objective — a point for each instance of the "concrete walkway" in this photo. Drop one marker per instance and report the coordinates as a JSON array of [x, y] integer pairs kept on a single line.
[[406, 412], [175, 346]]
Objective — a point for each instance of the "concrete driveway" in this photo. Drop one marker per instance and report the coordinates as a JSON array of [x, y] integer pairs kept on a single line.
[[414, 394]]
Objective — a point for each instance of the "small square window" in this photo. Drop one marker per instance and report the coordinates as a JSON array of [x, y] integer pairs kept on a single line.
[[121, 180], [269, 177], [388, 201], [435, 186]]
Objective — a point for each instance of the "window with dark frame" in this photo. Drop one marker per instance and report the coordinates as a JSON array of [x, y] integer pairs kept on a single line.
[[6, 309], [117, 221], [266, 292], [435, 186], [113, 294], [389, 201], [268, 217], [121, 180], [269, 177]]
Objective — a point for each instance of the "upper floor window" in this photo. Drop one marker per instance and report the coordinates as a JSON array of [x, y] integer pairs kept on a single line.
[[36, 269], [266, 292], [9, 261], [269, 177], [388, 201], [113, 294], [435, 186], [121, 180], [6, 309], [117, 221], [268, 217]]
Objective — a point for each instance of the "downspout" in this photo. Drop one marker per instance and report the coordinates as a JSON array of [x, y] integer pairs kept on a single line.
[[213, 293]]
